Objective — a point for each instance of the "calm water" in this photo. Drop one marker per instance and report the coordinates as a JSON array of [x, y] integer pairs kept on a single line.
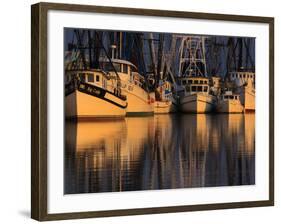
[[160, 152]]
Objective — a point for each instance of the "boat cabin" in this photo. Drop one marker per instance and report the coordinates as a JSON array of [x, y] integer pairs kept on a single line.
[[216, 81], [125, 69], [228, 95], [168, 86], [120, 66], [195, 84], [94, 77], [242, 77], [137, 79], [164, 91]]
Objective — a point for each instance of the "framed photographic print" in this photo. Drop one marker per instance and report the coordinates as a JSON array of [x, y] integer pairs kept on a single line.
[[138, 111]]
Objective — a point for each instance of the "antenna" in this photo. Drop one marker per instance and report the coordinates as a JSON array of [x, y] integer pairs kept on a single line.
[[113, 47]]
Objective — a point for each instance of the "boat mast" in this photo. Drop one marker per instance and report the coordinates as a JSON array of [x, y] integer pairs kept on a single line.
[[239, 54], [169, 57], [110, 61], [120, 45], [192, 61], [152, 55], [159, 75], [249, 63], [80, 46]]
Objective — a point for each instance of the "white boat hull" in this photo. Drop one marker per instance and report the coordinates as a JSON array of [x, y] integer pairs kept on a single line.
[[248, 97], [197, 103], [80, 105], [162, 107], [230, 106], [174, 106], [139, 101]]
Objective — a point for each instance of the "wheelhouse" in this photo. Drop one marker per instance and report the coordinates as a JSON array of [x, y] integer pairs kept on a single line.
[[125, 69], [94, 77], [230, 96], [118, 65], [195, 84], [242, 77]]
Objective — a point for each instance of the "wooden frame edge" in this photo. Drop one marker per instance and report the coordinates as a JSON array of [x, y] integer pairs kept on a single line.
[[35, 190], [39, 110], [156, 210], [154, 12], [271, 110]]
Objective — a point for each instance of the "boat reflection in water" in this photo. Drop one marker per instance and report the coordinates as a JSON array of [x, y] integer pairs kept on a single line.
[[160, 152]]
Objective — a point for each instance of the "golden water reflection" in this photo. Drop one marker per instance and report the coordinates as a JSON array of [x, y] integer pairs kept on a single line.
[[160, 152]]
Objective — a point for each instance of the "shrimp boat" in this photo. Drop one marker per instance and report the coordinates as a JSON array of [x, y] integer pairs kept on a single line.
[[196, 97], [140, 102], [165, 102], [195, 94], [93, 94], [245, 83], [248, 97], [229, 103]]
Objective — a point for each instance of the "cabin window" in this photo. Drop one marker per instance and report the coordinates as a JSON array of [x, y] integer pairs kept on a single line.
[[205, 89], [193, 88], [82, 77], [199, 89], [184, 82], [125, 69], [97, 78], [240, 76], [235, 97], [90, 77], [108, 67], [244, 75], [117, 67], [205, 82], [201, 81], [190, 81], [195, 81]]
